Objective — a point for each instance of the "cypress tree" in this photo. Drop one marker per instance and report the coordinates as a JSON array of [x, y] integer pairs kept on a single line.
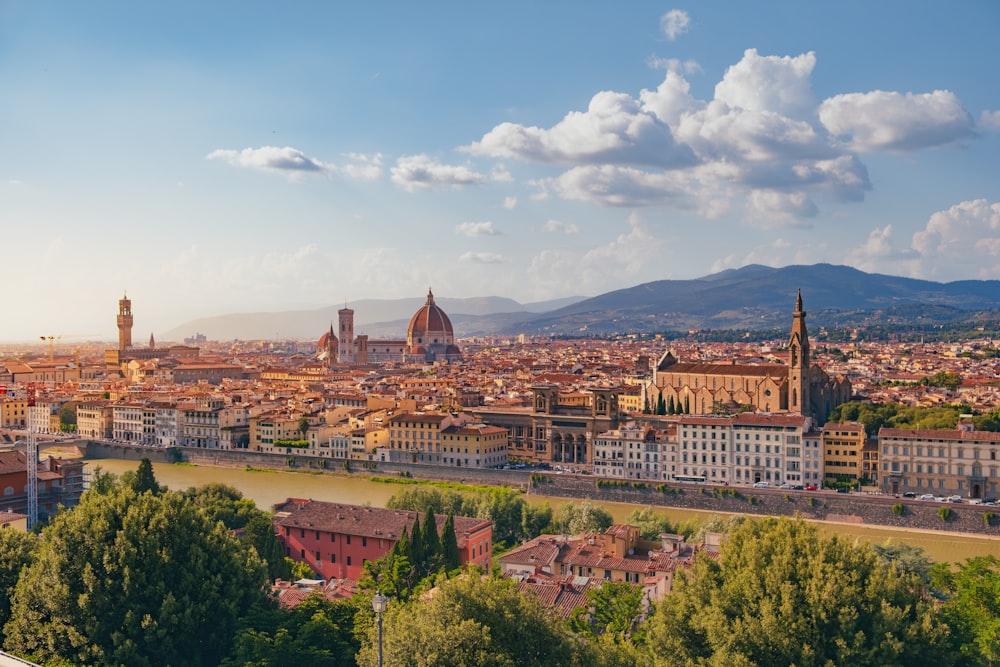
[[687, 405], [418, 555], [671, 408], [449, 545], [402, 547], [431, 540]]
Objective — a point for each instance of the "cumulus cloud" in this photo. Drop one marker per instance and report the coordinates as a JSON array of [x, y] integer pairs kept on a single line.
[[763, 132], [271, 158], [482, 258], [499, 174], [674, 65], [613, 130], [631, 254], [510, 203], [557, 227], [675, 23], [990, 120], [363, 167], [415, 172], [882, 120], [476, 229]]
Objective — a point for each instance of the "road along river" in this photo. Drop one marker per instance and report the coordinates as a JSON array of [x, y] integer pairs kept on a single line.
[[266, 488]]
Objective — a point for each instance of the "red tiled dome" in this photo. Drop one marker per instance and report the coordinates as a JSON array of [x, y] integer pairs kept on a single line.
[[429, 325]]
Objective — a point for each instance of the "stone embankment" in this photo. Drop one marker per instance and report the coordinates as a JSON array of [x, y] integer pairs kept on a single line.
[[864, 509]]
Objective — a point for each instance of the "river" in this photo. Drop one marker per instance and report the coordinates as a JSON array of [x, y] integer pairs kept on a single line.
[[267, 488]]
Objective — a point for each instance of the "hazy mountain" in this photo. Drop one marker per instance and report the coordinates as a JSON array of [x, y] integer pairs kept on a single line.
[[752, 297], [378, 318]]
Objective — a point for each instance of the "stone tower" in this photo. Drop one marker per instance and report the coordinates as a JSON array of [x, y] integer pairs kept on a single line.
[[124, 323], [345, 352], [798, 362]]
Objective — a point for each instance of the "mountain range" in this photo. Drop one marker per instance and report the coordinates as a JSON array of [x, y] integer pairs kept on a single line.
[[753, 297]]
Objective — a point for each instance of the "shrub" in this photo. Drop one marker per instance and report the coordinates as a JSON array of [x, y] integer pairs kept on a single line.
[[988, 518], [899, 509], [812, 501], [945, 513]]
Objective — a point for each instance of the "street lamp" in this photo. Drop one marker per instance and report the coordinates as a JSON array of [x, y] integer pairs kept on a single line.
[[379, 603]]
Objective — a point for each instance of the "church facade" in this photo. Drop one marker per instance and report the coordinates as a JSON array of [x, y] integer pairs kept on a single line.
[[798, 387]]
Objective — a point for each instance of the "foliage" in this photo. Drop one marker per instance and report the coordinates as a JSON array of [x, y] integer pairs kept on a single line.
[[988, 518], [650, 522], [258, 532], [224, 503], [303, 425], [973, 610], [471, 621], [899, 509], [946, 513], [67, 416], [946, 379], [614, 611], [894, 415], [535, 518], [144, 479], [906, 557], [585, 517], [133, 579], [779, 594], [504, 506], [317, 632], [17, 549]]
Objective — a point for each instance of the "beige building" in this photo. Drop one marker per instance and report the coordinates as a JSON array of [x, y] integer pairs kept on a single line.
[[13, 412], [960, 462], [843, 449]]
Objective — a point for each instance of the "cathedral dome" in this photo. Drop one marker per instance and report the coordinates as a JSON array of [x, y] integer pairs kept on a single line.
[[429, 326]]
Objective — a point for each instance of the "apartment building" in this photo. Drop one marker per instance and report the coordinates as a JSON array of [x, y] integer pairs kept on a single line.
[[336, 540], [943, 462], [843, 449], [634, 451]]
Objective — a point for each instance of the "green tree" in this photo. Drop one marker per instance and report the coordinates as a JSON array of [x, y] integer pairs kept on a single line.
[[303, 425], [144, 479], [973, 610], [535, 518], [432, 543], [259, 533], [586, 517], [67, 417], [614, 611], [450, 555], [224, 503], [649, 522], [17, 550], [503, 506], [471, 621], [779, 594], [133, 579]]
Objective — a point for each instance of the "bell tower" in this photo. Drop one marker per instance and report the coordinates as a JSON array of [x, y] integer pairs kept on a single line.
[[124, 323], [798, 362], [345, 353]]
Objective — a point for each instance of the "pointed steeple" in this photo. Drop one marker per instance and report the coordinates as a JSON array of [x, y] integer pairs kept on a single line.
[[152, 341], [798, 361]]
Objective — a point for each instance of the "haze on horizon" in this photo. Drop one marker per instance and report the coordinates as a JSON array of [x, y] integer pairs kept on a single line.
[[250, 157]]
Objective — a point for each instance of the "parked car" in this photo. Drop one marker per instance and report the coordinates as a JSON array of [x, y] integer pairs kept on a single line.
[[786, 485], [926, 496], [954, 499], [797, 487], [909, 494], [761, 485], [810, 487]]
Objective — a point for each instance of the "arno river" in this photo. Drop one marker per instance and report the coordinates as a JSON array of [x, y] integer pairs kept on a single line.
[[268, 488]]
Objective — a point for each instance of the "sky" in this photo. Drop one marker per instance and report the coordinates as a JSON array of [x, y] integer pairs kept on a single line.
[[225, 157]]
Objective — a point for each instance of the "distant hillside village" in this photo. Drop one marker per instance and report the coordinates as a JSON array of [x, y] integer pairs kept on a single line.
[[631, 408]]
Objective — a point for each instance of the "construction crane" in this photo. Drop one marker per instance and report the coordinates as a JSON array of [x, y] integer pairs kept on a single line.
[[52, 346], [32, 458]]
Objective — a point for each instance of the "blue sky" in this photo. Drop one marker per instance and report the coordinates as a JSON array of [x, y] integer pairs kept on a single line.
[[258, 156]]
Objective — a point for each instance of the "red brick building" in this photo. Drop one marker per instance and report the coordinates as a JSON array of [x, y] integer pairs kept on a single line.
[[335, 540]]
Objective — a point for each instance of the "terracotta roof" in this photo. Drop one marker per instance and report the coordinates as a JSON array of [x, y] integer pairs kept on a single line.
[[940, 434], [750, 370], [429, 319]]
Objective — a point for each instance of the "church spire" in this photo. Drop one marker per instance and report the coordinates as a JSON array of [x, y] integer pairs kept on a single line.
[[798, 361]]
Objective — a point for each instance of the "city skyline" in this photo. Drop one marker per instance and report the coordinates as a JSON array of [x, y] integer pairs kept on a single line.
[[247, 157]]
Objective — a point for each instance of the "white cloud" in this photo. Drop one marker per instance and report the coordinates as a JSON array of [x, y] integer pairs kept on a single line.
[[878, 254], [675, 23], [414, 172], [882, 120], [773, 208], [482, 258], [476, 229], [499, 174], [674, 65], [271, 158], [363, 167], [963, 239], [510, 203], [990, 120], [780, 84], [557, 227], [775, 253], [613, 130]]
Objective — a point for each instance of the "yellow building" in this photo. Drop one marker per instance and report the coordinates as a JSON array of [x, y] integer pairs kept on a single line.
[[13, 412], [960, 462], [475, 446], [843, 449]]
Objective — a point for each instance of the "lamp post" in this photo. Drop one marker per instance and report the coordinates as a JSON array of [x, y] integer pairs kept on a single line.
[[379, 603]]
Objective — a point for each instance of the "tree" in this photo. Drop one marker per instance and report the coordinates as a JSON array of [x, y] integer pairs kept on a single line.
[[432, 543], [259, 533], [17, 549], [303, 426], [650, 523], [471, 621], [973, 610], [133, 579], [144, 479], [779, 594], [224, 503], [67, 417], [614, 611], [450, 555], [585, 517], [535, 518]]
